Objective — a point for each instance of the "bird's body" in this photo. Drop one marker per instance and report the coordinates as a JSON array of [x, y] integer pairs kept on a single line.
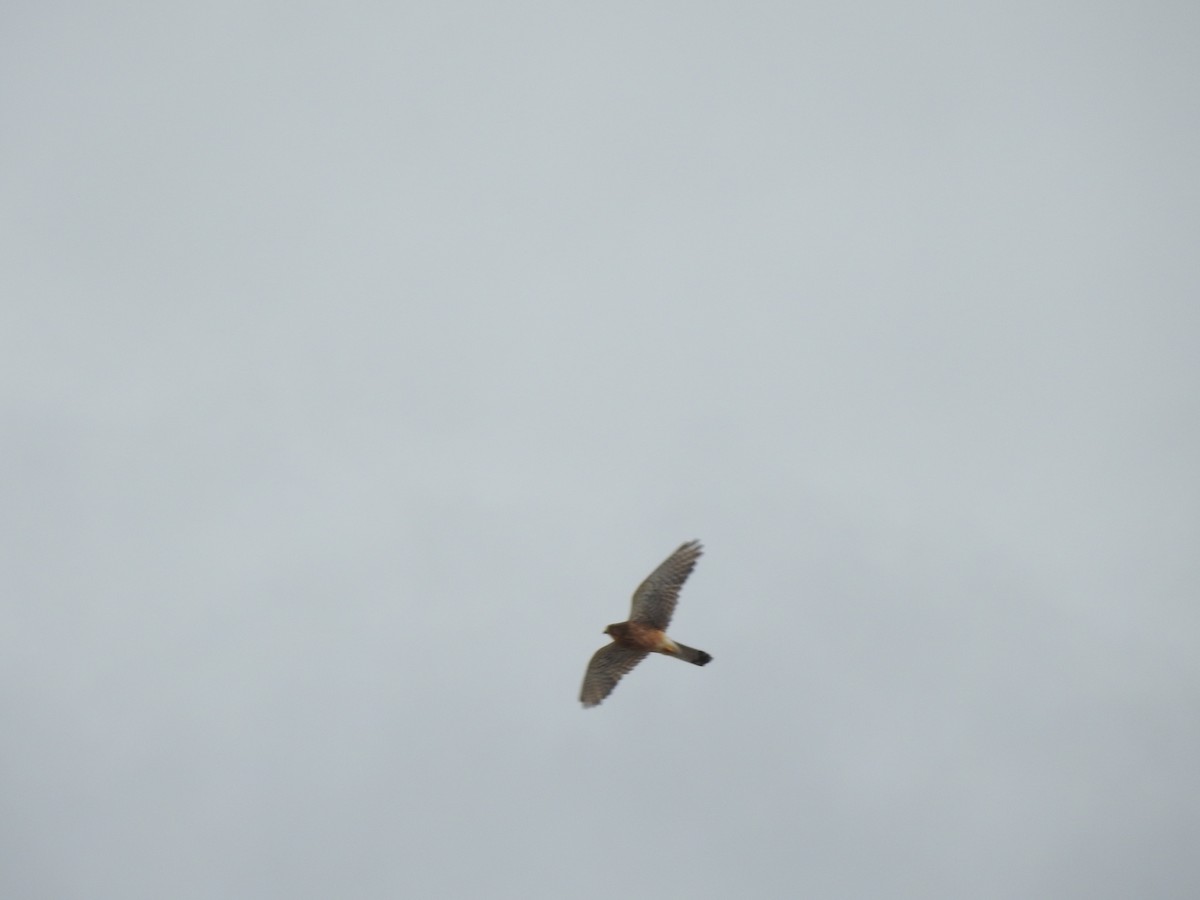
[[645, 637], [653, 604]]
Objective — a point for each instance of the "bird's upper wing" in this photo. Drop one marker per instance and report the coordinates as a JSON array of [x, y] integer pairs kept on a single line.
[[654, 600], [608, 664]]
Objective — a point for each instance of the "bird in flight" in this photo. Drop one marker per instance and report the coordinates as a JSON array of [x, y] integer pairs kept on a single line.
[[646, 631]]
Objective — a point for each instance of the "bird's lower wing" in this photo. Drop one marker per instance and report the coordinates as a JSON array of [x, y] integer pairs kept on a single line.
[[609, 664]]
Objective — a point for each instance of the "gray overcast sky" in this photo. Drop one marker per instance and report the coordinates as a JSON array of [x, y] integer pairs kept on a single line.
[[360, 359]]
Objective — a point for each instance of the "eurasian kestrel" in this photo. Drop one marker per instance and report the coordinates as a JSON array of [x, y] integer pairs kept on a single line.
[[646, 631]]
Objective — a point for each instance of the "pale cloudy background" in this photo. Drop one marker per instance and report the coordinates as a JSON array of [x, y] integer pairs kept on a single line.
[[360, 358]]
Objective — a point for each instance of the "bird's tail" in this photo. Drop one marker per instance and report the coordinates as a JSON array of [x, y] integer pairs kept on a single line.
[[692, 655]]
